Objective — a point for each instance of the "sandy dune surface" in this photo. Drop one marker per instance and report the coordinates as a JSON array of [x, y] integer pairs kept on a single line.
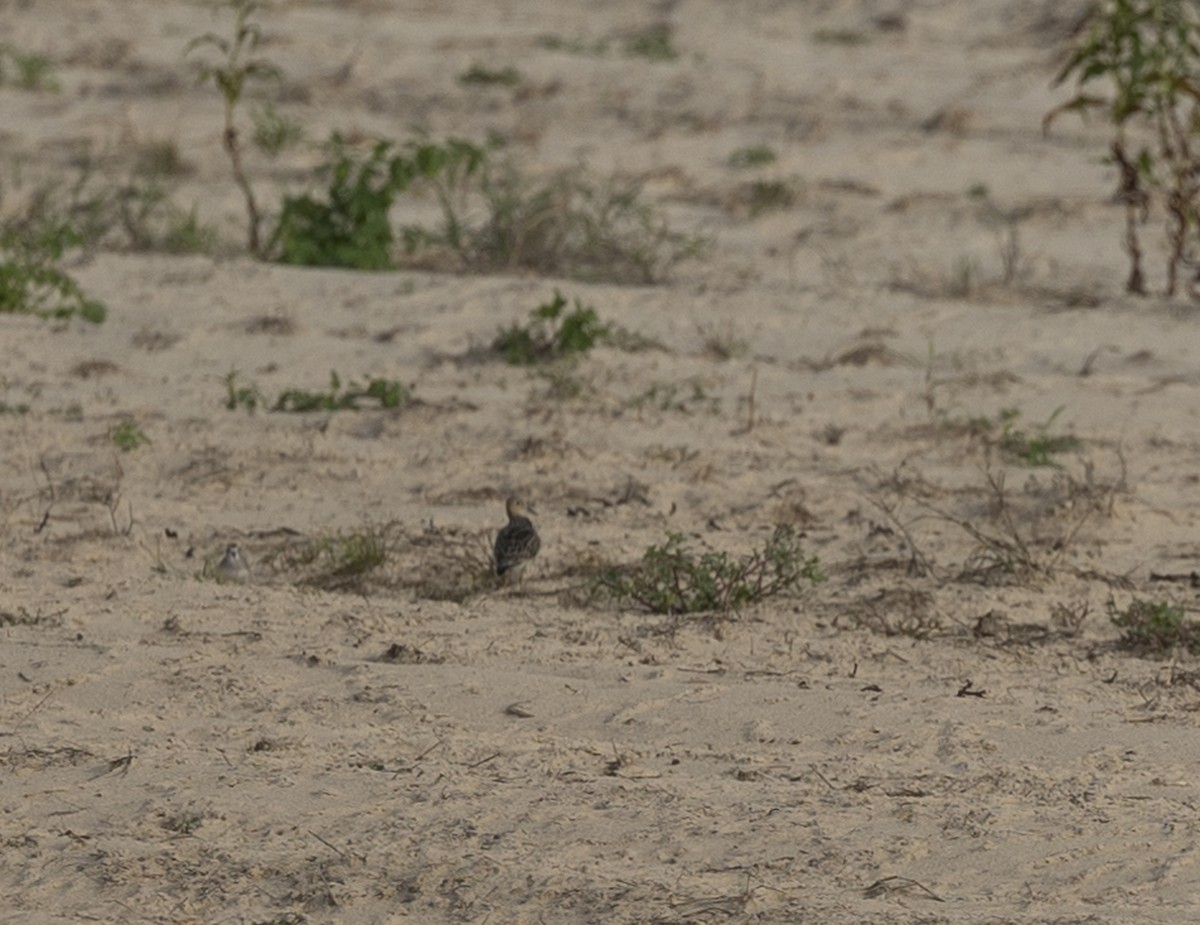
[[944, 730]]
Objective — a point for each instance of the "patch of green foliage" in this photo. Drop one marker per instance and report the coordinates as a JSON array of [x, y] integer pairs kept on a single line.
[[235, 68], [32, 280], [1137, 64], [653, 43], [27, 71], [274, 132], [386, 392], [128, 436], [349, 226], [1037, 447], [479, 75], [752, 156], [1156, 627], [675, 579], [551, 333]]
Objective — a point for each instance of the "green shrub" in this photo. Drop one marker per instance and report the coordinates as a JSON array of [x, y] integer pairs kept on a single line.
[[350, 226], [387, 392], [1154, 626], [551, 333], [31, 279], [1138, 64], [673, 579]]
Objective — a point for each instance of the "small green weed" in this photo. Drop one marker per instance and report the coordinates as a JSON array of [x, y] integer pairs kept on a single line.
[[673, 579], [576, 46], [274, 132], [235, 69], [350, 226], [1154, 626], [387, 392], [1138, 64], [31, 279], [839, 37], [479, 75], [241, 396], [341, 562], [769, 195], [753, 156], [573, 224], [183, 823], [32, 71], [1036, 448], [551, 333], [653, 43], [128, 436], [159, 158]]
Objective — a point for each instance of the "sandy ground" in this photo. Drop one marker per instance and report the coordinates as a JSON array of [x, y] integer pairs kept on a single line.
[[937, 733]]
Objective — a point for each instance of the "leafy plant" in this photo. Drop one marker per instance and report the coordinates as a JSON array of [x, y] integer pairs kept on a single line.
[[230, 76], [1154, 626], [350, 226], [753, 156], [241, 396], [274, 132], [480, 75], [653, 43], [33, 71], [387, 392], [128, 436], [1036, 448], [551, 333], [572, 224], [1145, 56], [32, 280], [673, 579]]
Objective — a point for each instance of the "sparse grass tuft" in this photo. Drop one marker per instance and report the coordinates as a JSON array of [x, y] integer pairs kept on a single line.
[[1156, 627], [550, 334], [673, 579], [752, 156], [480, 75], [32, 280], [127, 436], [387, 392], [27, 71], [839, 37], [653, 43]]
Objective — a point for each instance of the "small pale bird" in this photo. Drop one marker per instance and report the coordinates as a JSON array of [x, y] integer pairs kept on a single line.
[[232, 566], [516, 543]]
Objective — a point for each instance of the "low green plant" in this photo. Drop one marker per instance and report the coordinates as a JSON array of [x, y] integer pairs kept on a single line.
[[479, 75], [275, 132], [1154, 626], [654, 43], [573, 224], [235, 68], [388, 393], [839, 37], [551, 333], [1137, 63], [672, 578], [752, 156], [32, 280], [241, 396], [338, 562], [32, 71], [1035, 447], [127, 436], [769, 195], [577, 46], [349, 226]]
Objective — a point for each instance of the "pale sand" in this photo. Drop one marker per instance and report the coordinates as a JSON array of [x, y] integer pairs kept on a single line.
[[177, 750]]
